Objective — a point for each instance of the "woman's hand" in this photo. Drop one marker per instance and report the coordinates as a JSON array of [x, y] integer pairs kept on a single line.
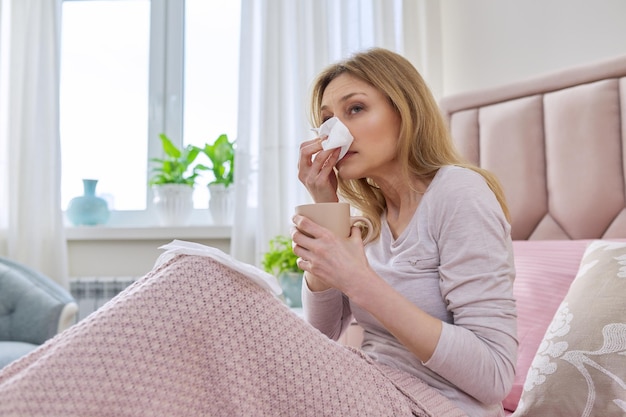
[[329, 261], [315, 170], [332, 262]]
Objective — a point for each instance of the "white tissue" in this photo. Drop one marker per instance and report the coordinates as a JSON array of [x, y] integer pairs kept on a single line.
[[338, 135], [258, 276]]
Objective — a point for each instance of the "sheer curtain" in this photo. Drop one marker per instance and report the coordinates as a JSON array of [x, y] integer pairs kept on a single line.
[[284, 44], [31, 222]]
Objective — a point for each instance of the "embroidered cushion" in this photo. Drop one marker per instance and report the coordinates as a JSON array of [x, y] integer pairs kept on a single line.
[[580, 366]]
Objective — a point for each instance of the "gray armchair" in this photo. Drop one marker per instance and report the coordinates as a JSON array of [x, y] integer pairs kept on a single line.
[[33, 308]]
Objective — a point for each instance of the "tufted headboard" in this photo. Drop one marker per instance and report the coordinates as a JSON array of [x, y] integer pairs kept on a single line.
[[558, 145]]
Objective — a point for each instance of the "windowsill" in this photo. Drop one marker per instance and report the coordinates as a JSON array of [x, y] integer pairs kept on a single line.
[[76, 233], [142, 225]]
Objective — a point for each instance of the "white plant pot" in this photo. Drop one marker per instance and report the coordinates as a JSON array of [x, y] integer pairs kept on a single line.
[[173, 203], [221, 203]]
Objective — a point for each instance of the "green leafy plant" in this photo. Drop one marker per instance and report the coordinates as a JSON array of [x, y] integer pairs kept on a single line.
[[222, 156], [176, 167], [280, 257]]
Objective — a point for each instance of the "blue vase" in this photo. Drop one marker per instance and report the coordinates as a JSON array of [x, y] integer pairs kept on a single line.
[[88, 209]]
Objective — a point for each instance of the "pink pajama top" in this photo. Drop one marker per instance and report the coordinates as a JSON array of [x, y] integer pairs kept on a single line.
[[455, 261]]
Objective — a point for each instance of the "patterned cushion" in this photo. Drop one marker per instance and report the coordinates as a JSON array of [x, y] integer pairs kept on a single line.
[[580, 366]]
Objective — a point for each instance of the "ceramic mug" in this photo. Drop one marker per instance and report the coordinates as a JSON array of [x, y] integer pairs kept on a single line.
[[335, 217]]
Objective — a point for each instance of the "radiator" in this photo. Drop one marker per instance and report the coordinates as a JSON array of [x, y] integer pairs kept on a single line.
[[91, 293]]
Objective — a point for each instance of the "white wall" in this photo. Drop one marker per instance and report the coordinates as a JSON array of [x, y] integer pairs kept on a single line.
[[124, 257], [487, 43]]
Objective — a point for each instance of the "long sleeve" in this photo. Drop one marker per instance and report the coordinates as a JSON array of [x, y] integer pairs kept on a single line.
[[328, 311], [477, 351]]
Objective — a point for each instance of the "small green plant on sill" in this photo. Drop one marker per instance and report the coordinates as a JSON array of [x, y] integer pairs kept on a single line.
[[176, 167], [222, 156], [280, 257]]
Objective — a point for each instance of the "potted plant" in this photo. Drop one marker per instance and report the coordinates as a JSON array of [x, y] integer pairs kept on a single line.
[[280, 261], [172, 181], [221, 154]]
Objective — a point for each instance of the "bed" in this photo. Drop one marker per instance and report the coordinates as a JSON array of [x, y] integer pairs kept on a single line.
[[556, 142]]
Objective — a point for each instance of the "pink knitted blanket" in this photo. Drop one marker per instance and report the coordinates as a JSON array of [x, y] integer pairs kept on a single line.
[[196, 338]]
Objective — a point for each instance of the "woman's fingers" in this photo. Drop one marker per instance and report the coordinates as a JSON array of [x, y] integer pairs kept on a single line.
[[315, 170], [307, 150]]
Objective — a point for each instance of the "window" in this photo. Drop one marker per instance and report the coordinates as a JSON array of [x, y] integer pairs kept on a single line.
[[104, 97], [211, 75], [131, 69]]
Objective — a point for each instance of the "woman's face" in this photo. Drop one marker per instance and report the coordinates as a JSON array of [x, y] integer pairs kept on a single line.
[[373, 123]]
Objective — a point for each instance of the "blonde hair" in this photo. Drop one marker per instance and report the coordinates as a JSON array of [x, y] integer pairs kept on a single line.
[[424, 143]]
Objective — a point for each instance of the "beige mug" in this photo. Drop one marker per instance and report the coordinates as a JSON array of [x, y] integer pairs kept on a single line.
[[335, 217]]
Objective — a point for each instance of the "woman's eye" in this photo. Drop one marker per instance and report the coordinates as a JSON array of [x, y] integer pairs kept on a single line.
[[355, 109]]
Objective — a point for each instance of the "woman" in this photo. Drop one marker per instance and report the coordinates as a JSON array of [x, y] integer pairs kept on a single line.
[[201, 335], [434, 291]]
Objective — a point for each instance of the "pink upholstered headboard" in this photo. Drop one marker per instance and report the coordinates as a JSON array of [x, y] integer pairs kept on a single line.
[[557, 144]]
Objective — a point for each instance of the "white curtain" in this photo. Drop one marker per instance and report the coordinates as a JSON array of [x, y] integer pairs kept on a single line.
[[31, 222], [284, 44]]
